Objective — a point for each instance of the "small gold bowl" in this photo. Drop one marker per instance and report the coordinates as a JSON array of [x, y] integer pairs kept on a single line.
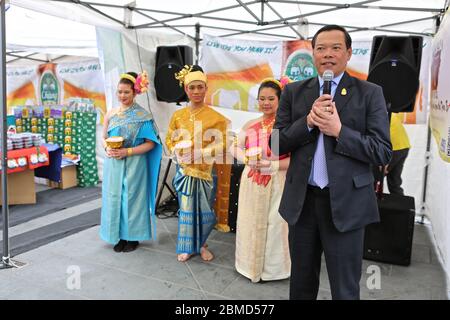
[[114, 142], [254, 153]]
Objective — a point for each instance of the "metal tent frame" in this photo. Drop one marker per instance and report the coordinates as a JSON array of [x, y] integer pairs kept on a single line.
[[12, 56], [265, 19], [258, 23]]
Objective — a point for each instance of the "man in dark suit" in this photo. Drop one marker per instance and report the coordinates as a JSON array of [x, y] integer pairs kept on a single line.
[[334, 140]]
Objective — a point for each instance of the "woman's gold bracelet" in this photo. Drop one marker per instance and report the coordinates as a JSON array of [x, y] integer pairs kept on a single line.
[[130, 151]]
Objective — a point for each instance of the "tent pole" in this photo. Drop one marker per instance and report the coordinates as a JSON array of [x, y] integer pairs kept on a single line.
[[197, 42], [5, 263], [425, 175], [427, 152]]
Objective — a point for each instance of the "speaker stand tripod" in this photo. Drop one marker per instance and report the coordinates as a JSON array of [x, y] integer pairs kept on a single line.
[[170, 205]]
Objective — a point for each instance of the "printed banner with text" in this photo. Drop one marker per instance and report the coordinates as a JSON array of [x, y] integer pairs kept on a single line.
[[440, 94], [54, 84], [235, 68]]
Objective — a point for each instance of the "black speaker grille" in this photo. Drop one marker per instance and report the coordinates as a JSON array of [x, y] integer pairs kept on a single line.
[[167, 89], [399, 81], [169, 60], [395, 66]]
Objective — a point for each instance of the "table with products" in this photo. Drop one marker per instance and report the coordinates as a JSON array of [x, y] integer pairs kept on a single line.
[[58, 174], [72, 128], [21, 166]]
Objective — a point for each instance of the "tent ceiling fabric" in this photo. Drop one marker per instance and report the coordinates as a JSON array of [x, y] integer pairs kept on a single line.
[[41, 37], [251, 19], [54, 28]]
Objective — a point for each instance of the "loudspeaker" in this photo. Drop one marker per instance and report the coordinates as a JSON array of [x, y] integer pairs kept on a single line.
[[235, 181], [395, 66], [170, 60], [390, 240]]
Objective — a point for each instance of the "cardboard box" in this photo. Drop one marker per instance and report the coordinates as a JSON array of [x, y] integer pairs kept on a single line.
[[21, 189], [68, 178]]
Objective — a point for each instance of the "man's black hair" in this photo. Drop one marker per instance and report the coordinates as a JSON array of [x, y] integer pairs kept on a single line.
[[330, 27]]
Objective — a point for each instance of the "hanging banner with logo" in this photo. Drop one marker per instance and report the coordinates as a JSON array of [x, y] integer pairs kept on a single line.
[[55, 84], [440, 93], [358, 66], [235, 69]]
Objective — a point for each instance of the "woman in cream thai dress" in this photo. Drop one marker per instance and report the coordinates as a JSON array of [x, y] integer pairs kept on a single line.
[[262, 251]]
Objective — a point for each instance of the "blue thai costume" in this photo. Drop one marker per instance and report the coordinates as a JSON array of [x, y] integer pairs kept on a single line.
[[129, 185]]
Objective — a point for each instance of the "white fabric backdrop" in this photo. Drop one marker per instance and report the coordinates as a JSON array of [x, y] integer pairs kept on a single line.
[[118, 53], [438, 194], [438, 203]]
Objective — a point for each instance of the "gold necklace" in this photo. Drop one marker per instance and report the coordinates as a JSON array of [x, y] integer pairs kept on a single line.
[[122, 110], [267, 126], [193, 114]]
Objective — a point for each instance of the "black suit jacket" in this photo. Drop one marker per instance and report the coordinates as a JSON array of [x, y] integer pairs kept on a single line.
[[363, 141]]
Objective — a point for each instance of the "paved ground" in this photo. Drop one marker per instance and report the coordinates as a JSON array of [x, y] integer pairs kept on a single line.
[[152, 271]]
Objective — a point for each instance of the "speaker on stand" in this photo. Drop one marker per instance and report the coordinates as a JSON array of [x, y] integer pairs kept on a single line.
[[170, 60], [168, 208], [395, 66]]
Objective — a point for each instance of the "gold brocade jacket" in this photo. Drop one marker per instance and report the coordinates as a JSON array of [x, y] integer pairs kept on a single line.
[[195, 126]]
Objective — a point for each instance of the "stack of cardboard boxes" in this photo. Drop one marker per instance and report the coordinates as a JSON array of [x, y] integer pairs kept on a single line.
[[87, 169], [73, 130], [68, 178]]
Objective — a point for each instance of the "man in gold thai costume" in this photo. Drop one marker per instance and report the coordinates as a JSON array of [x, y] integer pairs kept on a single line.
[[197, 139]]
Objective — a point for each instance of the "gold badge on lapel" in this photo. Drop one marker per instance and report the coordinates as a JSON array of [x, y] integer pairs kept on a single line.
[[343, 92]]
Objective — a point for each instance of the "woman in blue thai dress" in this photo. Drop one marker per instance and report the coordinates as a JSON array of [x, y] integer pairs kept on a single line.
[[130, 173]]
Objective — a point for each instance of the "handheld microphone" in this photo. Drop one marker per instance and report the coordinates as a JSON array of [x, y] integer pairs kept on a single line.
[[327, 80]]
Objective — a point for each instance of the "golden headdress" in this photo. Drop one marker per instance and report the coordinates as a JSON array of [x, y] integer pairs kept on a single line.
[[186, 76]]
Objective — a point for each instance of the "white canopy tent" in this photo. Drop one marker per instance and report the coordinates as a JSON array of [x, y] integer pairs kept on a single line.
[[45, 30], [274, 18], [38, 38], [38, 31], [33, 26]]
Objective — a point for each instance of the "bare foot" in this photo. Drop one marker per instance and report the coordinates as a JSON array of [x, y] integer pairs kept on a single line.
[[183, 257], [205, 254]]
